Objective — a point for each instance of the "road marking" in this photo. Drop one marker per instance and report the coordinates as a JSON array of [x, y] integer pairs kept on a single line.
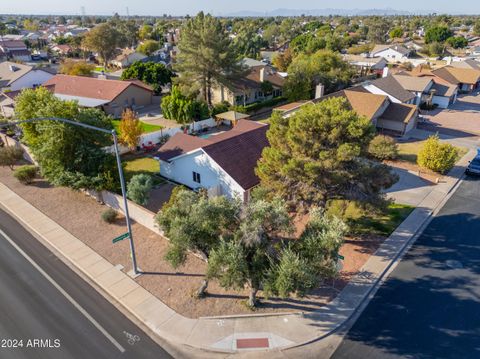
[[63, 292]]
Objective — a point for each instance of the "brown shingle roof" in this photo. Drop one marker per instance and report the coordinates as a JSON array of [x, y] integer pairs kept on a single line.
[[411, 83], [457, 75], [90, 87], [399, 112], [236, 151], [270, 75]]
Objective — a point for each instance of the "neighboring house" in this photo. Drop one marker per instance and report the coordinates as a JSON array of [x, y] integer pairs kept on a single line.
[[390, 87], [7, 103], [420, 86], [366, 65], [467, 79], [466, 64], [127, 57], [15, 76], [386, 115], [63, 50], [392, 53], [113, 96], [250, 89], [224, 164], [15, 50]]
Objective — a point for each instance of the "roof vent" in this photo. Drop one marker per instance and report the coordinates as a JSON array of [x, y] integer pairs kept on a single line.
[[13, 68]]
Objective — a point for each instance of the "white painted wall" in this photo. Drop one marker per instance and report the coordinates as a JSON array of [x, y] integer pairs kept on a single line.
[[31, 79], [391, 55], [441, 101], [211, 174]]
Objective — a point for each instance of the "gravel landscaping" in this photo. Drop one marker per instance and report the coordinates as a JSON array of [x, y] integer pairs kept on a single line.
[[81, 216]]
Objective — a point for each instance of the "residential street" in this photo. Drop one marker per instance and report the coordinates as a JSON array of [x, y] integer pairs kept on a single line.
[[429, 305], [59, 306]]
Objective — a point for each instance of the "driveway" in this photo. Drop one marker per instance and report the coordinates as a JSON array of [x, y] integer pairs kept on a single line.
[[428, 307], [461, 120], [410, 189]]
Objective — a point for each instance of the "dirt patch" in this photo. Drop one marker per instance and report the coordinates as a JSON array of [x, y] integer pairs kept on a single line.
[[80, 215]]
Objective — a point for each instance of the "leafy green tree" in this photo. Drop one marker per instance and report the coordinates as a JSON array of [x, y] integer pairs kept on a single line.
[[205, 57], [377, 29], [476, 28], [148, 47], [76, 68], [282, 60], [437, 34], [244, 261], [194, 222], [434, 49], [104, 40], [319, 153], [146, 32], [437, 156], [183, 109], [10, 155], [68, 155], [307, 71], [307, 43], [139, 187], [457, 42], [396, 32], [248, 42], [153, 74]]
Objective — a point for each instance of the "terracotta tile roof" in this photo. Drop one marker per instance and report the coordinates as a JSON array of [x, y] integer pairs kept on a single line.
[[236, 151], [399, 112], [90, 87]]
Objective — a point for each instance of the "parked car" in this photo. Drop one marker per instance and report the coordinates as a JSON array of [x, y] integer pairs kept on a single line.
[[473, 167]]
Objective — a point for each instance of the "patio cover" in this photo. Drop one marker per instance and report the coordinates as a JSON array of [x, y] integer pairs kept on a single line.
[[232, 116]]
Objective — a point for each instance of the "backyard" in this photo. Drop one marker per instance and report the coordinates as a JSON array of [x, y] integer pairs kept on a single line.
[[146, 127]]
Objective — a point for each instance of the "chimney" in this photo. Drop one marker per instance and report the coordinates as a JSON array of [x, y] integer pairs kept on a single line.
[[262, 74], [385, 71], [319, 90]]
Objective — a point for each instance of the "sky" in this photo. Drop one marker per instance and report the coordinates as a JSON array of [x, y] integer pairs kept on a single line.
[[220, 7]]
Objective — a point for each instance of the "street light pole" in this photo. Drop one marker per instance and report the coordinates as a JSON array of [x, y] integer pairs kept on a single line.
[[113, 133], [125, 202]]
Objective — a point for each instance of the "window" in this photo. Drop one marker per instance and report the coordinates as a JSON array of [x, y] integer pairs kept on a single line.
[[196, 177]]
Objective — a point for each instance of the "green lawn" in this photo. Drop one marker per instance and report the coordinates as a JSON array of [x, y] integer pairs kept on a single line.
[[408, 151], [362, 221], [146, 127], [141, 165]]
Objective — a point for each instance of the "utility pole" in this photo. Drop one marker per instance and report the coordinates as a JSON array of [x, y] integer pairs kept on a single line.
[[113, 133]]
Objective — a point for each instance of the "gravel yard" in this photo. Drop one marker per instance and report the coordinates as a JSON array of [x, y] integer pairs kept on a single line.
[[80, 215]]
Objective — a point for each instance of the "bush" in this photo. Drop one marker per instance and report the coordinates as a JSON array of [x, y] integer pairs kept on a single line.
[[383, 148], [109, 215], [25, 174], [437, 156], [138, 189], [219, 108], [9, 155]]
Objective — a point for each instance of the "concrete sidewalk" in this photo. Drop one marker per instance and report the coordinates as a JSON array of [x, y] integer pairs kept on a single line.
[[209, 337]]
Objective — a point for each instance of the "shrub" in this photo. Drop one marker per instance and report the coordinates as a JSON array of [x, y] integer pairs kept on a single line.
[[437, 156], [25, 174], [138, 189], [109, 215], [383, 148], [9, 155]]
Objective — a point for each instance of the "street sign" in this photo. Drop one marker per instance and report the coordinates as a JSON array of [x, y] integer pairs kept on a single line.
[[339, 256], [120, 238]]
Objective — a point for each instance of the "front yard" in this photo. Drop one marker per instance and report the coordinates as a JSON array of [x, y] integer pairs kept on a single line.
[[146, 127], [408, 151]]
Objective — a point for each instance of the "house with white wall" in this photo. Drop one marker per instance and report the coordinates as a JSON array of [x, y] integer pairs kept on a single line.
[[223, 164], [392, 53], [419, 86], [389, 86], [14, 76]]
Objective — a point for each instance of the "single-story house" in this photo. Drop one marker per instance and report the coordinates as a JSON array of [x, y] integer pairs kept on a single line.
[[224, 163], [63, 49], [386, 115], [250, 89], [14, 76], [366, 65], [390, 87], [392, 53], [466, 64], [467, 79], [420, 86], [15, 50], [113, 96], [127, 57]]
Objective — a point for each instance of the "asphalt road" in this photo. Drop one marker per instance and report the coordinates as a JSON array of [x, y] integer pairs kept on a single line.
[[429, 307], [33, 308]]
